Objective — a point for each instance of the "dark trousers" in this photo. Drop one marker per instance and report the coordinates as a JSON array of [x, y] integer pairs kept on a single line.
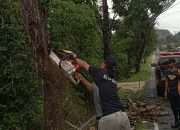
[[174, 99]]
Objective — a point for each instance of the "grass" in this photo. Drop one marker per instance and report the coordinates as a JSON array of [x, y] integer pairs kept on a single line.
[[129, 94], [140, 126], [143, 74]]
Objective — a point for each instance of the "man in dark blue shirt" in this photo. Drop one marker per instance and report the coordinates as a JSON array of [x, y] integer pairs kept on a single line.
[[113, 117]]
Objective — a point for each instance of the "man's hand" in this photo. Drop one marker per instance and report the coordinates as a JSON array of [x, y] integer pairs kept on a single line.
[[82, 64], [79, 76], [89, 86]]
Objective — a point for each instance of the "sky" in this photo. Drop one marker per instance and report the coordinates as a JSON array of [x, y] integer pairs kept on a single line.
[[170, 19]]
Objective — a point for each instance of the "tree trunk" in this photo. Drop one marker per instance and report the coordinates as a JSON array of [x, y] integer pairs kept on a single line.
[[144, 41], [140, 53], [35, 23], [106, 30]]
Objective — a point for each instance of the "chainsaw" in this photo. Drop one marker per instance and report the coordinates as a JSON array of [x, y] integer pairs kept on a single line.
[[65, 59]]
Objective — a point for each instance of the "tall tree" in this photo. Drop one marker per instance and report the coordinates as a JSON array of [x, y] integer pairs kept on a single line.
[[139, 19], [20, 100], [106, 29], [35, 23]]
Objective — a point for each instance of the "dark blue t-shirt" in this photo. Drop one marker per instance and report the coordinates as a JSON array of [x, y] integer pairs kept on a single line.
[[110, 101]]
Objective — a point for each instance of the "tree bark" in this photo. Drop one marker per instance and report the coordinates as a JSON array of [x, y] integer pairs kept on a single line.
[[144, 41], [141, 49], [35, 23], [106, 30]]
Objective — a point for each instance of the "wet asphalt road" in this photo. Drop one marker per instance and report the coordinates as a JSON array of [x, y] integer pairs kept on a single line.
[[163, 122]]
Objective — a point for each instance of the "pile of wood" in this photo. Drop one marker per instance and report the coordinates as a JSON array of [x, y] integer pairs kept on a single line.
[[144, 111]]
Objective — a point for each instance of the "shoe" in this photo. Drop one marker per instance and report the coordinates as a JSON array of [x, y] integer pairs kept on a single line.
[[176, 125]]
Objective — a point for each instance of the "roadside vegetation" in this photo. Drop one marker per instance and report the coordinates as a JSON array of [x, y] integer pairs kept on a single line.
[[143, 74], [75, 25]]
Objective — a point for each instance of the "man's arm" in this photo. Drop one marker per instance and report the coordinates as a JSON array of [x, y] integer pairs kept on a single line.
[[89, 86], [93, 71], [82, 64]]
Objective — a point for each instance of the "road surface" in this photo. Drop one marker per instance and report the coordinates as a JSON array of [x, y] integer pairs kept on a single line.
[[163, 122]]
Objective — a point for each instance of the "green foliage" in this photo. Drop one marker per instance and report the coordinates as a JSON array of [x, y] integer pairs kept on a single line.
[[20, 102], [144, 73], [140, 126], [167, 41], [73, 26], [136, 31], [129, 94], [119, 50]]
